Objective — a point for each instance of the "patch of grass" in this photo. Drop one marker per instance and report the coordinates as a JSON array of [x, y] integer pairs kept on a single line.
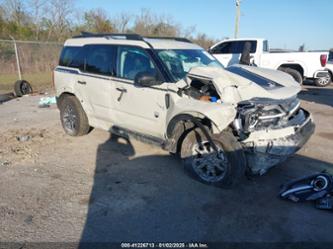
[[38, 81]]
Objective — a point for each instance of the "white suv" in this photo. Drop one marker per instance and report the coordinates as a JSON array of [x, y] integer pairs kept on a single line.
[[171, 92]]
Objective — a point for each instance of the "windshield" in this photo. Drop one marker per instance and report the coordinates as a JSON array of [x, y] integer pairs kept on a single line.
[[180, 61]]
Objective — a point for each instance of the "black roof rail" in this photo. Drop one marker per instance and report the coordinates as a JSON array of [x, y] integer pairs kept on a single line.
[[132, 36], [181, 39]]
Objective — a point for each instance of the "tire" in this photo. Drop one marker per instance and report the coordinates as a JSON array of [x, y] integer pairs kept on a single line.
[[323, 81], [294, 73], [232, 162], [73, 118], [22, 87]]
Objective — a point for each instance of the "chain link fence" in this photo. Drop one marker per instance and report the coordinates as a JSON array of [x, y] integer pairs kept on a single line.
[[35, 61]]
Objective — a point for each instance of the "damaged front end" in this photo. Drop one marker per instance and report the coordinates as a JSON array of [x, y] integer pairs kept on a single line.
[[269, 124], [271, 130]]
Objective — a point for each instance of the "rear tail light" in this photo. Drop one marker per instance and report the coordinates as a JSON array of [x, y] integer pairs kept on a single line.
[[323, 60]]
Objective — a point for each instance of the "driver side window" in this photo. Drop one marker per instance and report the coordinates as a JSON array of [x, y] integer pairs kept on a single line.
[[133, 60]]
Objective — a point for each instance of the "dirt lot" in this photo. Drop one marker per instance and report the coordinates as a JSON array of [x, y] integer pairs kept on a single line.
[[95, 188]]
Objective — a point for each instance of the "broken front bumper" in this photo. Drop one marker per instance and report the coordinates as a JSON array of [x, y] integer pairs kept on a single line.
[[267, 148]]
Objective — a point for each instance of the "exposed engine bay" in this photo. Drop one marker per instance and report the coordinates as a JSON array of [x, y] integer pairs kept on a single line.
[[202, 90], [252, 115]]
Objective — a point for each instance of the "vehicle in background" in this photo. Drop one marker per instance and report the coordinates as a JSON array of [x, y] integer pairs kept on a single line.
[[329, 65], [300, 65]]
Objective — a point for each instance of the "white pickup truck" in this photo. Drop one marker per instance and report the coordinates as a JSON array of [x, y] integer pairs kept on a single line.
[[300, 65]]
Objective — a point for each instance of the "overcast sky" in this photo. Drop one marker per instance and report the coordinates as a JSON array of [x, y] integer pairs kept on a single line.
[[286, 23]]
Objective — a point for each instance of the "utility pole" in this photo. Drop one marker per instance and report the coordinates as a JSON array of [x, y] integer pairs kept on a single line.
[[238, 2], [17, 58]]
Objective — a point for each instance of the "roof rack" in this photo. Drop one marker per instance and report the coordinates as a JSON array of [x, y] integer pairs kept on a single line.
[[131, 36], [113, 35], [181, 39]]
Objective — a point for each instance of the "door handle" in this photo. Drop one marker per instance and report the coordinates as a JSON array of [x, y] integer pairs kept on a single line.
[[81, 82], [122, 90]]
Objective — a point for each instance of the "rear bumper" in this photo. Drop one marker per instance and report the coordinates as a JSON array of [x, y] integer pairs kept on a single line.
[[264, 152]]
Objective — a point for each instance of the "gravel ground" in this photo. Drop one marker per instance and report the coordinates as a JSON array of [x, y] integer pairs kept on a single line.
[[99, 188]]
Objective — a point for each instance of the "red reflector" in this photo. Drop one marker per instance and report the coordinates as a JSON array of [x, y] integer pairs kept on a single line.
[[323, 60]]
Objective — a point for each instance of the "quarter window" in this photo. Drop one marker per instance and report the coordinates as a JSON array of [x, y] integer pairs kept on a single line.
[[72, 57]]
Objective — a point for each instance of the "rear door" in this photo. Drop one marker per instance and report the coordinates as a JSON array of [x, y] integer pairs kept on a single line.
[[94, 83]]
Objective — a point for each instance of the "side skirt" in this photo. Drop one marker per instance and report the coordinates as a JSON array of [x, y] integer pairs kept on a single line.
[[122, 132]]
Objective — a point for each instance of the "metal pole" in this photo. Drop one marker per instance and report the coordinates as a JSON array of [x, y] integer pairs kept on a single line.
[[237, 17], [17, 58]]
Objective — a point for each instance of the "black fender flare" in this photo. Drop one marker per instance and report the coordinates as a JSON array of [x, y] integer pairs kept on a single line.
[[183, 123]]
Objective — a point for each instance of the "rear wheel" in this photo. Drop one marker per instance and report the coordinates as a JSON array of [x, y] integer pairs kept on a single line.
[[73, 118], [294, 73], [323, 81], [224, 168]]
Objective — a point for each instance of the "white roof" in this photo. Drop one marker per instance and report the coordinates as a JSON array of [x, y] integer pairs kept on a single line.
[[172, 44], [239, 39], [156, 43]]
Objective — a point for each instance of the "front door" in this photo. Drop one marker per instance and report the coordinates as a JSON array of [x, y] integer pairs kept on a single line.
[[139, 109]]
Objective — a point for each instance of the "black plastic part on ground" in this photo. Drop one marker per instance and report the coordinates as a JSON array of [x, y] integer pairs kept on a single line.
[[6, 97]]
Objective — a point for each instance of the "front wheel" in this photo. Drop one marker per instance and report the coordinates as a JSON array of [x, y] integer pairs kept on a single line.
[[224, 168]]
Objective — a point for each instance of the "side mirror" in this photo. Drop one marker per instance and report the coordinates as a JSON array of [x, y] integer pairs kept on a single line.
[[145, 79]]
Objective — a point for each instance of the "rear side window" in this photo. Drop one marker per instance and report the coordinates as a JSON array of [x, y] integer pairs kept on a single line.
[[72, 57], [265, 46], [100, 59], [234, 47], [330, 56]]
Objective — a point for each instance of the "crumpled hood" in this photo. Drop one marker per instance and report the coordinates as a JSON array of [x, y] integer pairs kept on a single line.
[[238, 83]]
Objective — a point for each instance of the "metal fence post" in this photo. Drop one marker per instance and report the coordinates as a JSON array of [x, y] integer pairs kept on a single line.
[[17, 58]]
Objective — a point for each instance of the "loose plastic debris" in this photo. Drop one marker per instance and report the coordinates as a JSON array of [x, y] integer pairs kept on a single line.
[[4, 163], [23, 138], [317, 187], [325, 203], [47, 101]]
